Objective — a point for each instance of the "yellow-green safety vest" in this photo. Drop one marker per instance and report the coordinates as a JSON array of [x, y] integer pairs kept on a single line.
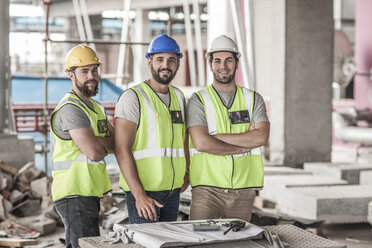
[[73, 173], [158, 147], [240, 171]]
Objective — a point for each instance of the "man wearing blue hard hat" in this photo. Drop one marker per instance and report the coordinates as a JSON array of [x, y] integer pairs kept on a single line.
[[150, 138]]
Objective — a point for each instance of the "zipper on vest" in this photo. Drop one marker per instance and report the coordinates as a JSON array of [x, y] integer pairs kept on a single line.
[[174, 173]]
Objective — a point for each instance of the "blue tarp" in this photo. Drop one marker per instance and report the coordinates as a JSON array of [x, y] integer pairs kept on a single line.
[[25, 89]]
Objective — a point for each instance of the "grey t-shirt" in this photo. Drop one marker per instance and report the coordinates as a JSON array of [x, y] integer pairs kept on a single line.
[[128, 106], [70, 117], [195, 115]]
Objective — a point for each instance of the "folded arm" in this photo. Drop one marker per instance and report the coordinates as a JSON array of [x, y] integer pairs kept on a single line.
[[258, 136], [88, 143], [204, 142]]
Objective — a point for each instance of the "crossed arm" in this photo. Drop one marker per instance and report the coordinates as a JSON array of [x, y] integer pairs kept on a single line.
[[229, 144], [94, 147]]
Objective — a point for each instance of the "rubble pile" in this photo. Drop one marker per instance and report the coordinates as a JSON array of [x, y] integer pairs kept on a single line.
[[26, 205]]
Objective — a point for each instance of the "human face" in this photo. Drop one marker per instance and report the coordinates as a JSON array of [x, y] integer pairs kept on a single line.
[[223, 67], [86, 79], [163, 67]]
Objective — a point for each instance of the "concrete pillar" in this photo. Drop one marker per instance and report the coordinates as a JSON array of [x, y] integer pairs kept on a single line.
[[13, 151], [301, 125], [219, 23], [4, 67], [363, 54], [142, 34]]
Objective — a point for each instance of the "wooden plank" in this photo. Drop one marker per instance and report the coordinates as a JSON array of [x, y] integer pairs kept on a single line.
[[17, 242]]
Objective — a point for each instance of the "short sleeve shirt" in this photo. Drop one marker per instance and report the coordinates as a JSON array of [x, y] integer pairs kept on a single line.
[[70, 117]]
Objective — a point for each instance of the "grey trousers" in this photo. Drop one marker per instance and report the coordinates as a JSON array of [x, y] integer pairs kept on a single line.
[[80, 216]]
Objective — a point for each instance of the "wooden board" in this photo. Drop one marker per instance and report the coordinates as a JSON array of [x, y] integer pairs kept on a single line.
[[17, 242]]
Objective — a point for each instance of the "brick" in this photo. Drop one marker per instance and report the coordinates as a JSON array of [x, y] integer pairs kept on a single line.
[[40, 187], [16, 196], [28, 173]]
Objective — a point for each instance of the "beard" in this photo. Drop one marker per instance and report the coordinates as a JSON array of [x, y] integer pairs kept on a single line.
[[165, 79], [225, 79], [87, 90]]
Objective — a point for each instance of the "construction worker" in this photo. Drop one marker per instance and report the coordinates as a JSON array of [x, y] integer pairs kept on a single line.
[[227, 123], [80, 139], [150, 133]]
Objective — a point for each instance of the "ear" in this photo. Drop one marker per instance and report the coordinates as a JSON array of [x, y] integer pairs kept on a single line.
[[149, 63], [71, 75]]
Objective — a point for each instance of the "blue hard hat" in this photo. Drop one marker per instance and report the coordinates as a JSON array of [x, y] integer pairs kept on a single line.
[[163, 44]]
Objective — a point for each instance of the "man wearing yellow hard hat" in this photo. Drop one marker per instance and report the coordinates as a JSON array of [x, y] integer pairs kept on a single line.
[[81, 136]]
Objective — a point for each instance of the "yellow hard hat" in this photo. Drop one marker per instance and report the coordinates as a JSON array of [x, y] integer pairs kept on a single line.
[[81, 55]]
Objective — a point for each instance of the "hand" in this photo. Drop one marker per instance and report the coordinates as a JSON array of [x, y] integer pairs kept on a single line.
[[146, 208], [185, 183]]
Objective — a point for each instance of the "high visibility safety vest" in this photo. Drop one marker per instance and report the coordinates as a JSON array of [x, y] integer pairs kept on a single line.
[[240, 171], [73, 173], [158, 147]]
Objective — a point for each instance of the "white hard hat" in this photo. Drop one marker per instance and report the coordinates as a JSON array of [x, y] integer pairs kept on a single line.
[[223, 43]]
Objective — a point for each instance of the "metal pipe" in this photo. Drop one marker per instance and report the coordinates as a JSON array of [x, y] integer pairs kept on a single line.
[[249, 34], [124, 34], [189, 43], [199, 48], [79, 20], [88, 27], [240, 42], [45, 106]]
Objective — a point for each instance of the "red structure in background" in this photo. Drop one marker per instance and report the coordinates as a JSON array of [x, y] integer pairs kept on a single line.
[[29, 117]]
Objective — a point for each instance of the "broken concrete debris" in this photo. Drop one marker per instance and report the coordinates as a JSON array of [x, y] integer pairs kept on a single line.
[[24, 193]]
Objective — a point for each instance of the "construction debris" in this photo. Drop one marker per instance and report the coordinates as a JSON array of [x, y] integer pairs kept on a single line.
[[25, 195]]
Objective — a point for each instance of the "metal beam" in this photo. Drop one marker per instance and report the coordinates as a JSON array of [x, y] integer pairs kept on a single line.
[[249, 34], [124, 34], [189, 43], [79, 20], [199, 48], [4, 67]]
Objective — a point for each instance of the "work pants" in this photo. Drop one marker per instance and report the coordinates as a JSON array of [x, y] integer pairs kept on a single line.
[[216, 203], [169, 199], [80, 216]]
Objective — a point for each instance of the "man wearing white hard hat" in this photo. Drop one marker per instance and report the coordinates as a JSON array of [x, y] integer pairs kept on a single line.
[[227, 124]]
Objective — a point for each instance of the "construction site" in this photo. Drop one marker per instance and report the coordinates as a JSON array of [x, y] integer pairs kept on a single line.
[[310, 60]]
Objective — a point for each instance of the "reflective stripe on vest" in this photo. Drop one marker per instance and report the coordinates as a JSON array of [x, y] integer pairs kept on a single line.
[[65, 165]]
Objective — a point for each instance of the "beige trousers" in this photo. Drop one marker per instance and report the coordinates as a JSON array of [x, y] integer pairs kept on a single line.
[[215, 203]]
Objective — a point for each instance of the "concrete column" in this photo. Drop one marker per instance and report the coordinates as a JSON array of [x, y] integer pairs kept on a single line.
[[142, 34], [363, 54], [4, 67], [301, 125], [219, 23]]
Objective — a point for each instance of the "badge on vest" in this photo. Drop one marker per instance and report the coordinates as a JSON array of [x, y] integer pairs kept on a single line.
[[102, 126], [239, 117], [176, 116]]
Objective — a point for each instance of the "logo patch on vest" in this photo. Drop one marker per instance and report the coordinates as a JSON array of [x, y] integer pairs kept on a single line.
[[102, 126], [176, 116], [239, 117]]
